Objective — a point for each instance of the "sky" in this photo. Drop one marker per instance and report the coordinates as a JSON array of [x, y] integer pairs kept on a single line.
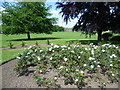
[[54, 11]]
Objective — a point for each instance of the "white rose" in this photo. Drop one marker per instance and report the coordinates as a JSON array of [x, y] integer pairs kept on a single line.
[[61, 67], [56, 46], [52, 44], [90, 58], [40, 71], [51, 58], [111, 65], [55, 78], [65, 59], [113, 74], [18, 57], [86, 49], [53, 50], [85, 65], [81, 72], [92, 66], [77, 70], [68, 47], [92, 51], [76, 80], [66, 69], [78, 57], [72, 51], [98, 66], [103, 50], [63, 46], [50, 49], [81, 52], [41, 50], [38, 58]]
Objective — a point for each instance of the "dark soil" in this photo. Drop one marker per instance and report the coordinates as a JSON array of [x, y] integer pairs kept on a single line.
[[11, 80]]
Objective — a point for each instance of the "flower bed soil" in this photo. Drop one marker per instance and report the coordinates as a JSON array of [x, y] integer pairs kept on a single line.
[[11, 80]]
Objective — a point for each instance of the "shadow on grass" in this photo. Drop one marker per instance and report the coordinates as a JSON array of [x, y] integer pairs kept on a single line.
[[44, 38], [93, 41]]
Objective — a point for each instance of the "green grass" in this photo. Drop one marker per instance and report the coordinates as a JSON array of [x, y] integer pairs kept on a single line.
[[8, 54], [41, 38]]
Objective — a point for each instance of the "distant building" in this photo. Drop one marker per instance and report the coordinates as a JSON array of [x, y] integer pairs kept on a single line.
[[68, 30]]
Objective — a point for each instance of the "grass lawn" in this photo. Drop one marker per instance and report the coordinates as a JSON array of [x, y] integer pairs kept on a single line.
[[41, 38], [8, 54]]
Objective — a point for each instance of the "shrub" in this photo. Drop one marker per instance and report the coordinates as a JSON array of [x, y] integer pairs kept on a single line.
[[115, 38], [10, 44], [23, 44], [106, 36], [76, 64], [36, 43], [48, 42]]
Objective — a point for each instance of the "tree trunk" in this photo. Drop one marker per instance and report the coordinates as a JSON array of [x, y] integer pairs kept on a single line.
[[28, 35], [99, 36]]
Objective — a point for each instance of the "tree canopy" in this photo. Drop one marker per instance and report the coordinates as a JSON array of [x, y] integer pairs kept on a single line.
[[26, 17], [92, 16], [58, 28]]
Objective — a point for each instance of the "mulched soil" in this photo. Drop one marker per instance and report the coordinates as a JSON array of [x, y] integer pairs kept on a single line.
[[17, 47], [26, 46], [11, 80]]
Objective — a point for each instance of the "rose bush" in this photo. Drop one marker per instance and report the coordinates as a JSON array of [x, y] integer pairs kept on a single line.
[[78, 65]]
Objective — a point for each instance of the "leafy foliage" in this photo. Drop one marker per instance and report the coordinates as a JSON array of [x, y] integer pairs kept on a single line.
[[10, 44], [58, 28], [78, 65], [92, 16], [26, 17]]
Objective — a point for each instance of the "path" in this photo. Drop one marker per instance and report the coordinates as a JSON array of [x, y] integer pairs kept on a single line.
[[26, 46], [16, 47]]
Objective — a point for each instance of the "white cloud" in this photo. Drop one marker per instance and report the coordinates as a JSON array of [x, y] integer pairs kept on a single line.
[[70, 24], [1, 9], [61, 22], [54, 12], [52, 1]]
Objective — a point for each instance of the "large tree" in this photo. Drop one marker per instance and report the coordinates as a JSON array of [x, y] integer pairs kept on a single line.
[[26, 17], [92, 16]]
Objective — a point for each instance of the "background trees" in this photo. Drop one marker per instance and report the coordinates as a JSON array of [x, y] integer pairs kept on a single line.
[[26, 17], [92, 16], [58, 28]]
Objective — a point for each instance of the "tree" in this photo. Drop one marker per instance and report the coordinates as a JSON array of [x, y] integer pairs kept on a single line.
[[92, 16], [58, 28], [26, 17]]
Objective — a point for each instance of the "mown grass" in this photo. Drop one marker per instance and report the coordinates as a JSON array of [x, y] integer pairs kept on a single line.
[[16, 40], [41, 38], [8, 54]]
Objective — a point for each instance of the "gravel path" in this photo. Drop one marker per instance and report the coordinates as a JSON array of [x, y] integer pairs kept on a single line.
[[11, 80]]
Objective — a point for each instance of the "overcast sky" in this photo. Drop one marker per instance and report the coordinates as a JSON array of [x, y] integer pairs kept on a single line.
[[54, 11]]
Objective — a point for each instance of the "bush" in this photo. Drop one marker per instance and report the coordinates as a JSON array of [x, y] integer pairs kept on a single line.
[[23, 44], [106, 36], [10, 44], [36, 43], [115, 38], [76, 64]]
